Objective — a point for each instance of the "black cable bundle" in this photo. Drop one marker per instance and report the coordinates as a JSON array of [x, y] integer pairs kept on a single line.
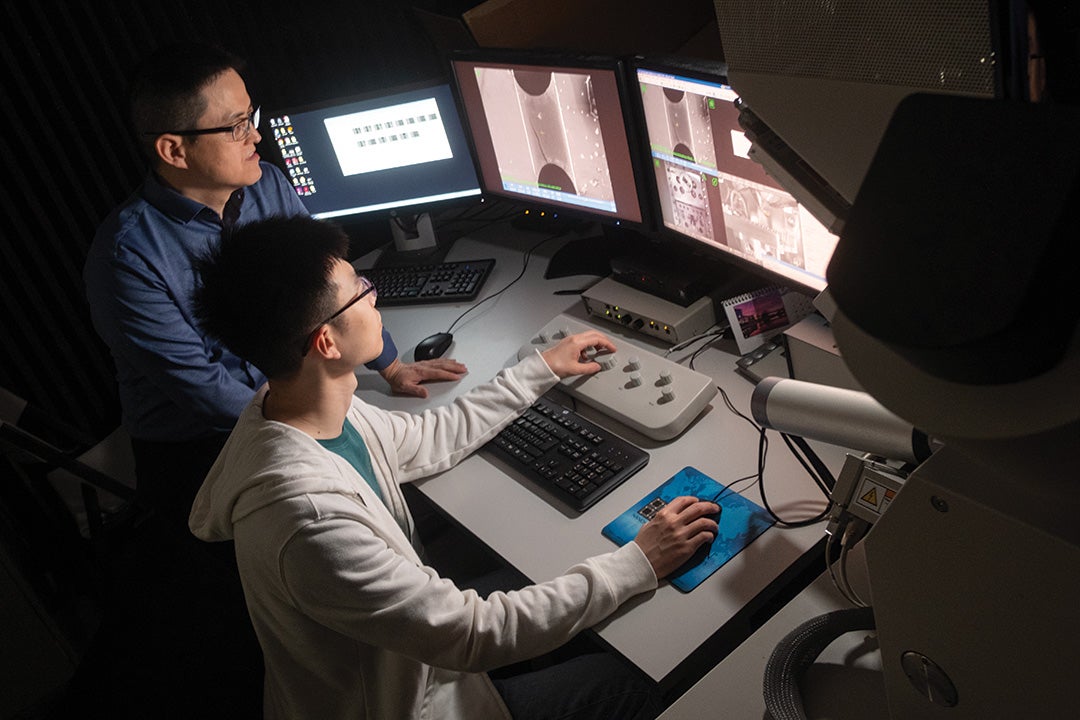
[[798, 650]]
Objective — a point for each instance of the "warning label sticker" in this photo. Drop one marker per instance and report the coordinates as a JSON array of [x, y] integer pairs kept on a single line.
[[874, 496]]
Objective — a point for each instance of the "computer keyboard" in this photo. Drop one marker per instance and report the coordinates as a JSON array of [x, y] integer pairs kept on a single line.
[[444, 282], [577, 461]]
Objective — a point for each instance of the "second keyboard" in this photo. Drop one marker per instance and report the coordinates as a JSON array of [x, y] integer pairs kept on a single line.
[[577, 461], [426, 284]]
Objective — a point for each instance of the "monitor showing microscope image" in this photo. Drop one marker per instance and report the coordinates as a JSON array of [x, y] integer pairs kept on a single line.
[[550, 131], [707, 187]]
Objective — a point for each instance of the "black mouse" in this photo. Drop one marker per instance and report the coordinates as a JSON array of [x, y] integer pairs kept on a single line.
[[432, 346], [702, 552]]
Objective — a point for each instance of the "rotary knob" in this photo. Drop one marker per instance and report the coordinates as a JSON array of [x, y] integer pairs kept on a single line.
[[665, 377], [635, 379], [634, 363]]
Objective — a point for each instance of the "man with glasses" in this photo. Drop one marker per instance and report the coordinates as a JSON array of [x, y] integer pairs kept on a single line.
[[180, 391], [352, 622]]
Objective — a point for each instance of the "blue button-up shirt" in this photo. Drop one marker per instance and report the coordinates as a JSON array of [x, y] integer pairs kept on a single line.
[[175, 383]]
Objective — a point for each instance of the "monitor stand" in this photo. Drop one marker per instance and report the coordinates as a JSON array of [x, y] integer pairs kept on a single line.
[[639, 260], [593, 254], [415, 242]]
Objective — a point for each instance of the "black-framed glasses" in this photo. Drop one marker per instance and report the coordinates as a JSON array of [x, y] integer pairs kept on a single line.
[[368, 289], [240, 130]]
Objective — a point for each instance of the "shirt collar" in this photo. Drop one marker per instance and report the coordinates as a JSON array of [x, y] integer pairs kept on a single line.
[[159, 194]]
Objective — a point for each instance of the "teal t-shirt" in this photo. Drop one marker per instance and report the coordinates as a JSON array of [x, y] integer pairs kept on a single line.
[[351, 446]]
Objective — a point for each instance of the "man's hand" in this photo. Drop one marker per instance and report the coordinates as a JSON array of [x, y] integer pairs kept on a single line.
[[672, 536], [406, 378], [573, 355]]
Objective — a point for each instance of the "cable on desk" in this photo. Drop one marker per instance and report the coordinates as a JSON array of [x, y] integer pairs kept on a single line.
[[763, 448], [524, 267], [715, 331], [728, 488]]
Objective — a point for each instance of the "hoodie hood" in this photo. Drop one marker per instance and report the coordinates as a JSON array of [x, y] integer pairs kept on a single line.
[[259, 466]]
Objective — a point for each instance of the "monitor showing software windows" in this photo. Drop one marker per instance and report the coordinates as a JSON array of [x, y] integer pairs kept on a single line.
[[400, 150], [710, 190]]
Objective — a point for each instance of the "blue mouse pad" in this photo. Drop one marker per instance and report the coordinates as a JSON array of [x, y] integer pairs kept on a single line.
[[741, 521]]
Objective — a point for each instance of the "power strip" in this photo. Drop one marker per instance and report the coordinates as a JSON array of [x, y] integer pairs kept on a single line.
[[612, 300], [647, 392]]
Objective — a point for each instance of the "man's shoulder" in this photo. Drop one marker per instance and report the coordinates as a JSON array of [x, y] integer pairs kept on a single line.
[[121, 226]]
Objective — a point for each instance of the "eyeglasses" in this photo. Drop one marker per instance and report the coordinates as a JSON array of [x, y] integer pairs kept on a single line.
[[368, 289], [240, 130]]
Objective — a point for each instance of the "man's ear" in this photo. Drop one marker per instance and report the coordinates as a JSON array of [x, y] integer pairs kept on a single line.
[[325, 345], [171, 150]]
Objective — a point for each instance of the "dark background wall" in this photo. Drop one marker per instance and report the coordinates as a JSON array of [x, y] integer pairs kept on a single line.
[[68, 159]]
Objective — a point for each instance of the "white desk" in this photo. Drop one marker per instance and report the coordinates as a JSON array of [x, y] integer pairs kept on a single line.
[[659, 631]]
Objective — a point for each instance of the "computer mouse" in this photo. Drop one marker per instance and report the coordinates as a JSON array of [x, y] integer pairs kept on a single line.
[[432, 346], [702, 552]]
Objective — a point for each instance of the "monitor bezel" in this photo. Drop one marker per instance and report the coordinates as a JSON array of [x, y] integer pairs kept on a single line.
[[569, 60]]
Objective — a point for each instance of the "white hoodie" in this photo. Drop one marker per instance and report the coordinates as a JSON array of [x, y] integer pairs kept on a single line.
[[351, 623]]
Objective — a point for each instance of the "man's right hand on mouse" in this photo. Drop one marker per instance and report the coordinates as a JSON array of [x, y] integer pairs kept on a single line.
[[569, 357], [676, 532]]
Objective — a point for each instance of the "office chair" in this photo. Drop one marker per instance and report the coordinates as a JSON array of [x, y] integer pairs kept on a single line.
[[76, 468]]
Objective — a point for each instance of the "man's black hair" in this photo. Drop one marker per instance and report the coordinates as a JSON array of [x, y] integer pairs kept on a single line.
[[265, 287], [165, 92]]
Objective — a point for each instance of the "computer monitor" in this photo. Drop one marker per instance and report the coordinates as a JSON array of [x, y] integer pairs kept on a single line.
[[549, 131], [709, 190], [399, 152]]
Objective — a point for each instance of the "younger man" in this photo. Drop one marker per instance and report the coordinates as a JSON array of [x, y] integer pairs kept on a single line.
[[351, 622]]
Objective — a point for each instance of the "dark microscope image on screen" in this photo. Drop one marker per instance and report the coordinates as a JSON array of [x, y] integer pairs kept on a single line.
[[546, 132], [711, 190]]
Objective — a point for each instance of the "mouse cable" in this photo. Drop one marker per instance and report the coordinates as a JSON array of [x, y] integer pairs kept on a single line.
[[729, 488], [763, 449], [524, 266]]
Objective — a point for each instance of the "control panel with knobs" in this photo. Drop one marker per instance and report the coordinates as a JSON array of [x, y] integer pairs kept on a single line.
[[647, 392]]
